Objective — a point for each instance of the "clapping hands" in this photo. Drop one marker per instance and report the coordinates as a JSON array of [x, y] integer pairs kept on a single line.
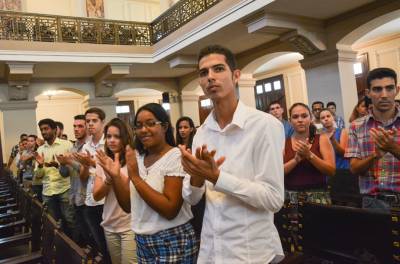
[[383, 139], [202, 165]]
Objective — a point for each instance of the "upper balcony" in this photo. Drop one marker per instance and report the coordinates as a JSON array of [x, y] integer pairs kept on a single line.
[[52, 28]]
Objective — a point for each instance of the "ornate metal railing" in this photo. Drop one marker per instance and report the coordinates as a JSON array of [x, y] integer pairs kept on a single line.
[[178, 15], [49, 28]]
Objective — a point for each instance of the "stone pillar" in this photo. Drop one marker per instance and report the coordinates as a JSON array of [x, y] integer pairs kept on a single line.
[[246, 90], [108, 104], [330, 77], [175, 108], [190, 107], [17, 117]]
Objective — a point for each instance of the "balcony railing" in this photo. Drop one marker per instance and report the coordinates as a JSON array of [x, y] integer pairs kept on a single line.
[[49, 28], [178, 15]]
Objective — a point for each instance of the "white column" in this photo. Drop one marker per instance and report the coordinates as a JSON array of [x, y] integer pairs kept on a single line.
[[246, 90], [330, 77], [190, 107], [175, 108], [17, 117], [108, 104]]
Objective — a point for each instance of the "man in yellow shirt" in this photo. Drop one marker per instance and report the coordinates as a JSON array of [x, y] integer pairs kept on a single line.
[[55, 187]]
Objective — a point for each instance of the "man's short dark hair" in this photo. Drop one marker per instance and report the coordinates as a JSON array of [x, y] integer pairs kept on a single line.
[[331, 103], [49, 122], [59, 125], [80, 117], [380, 73], [273, 103], [217, 49], [317, 102], [32, 136], [23, 135], [99, 112]]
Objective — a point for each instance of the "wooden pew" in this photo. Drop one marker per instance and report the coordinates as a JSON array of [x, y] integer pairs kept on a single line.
[[50, 226], [10, 237], [35, 254], [344, 189], [67, 251], [345, 234]]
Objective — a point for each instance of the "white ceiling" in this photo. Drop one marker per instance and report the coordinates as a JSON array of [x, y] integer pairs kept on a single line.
[[391, 28], [279, 62]]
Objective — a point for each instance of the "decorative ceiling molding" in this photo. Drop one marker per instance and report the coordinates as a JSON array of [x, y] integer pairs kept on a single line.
[[183, 61], [302, 44], [106, 79], [327, 57], [304, 34]]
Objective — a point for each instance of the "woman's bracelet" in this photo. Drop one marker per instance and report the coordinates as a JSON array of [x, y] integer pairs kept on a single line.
[[108, 181]]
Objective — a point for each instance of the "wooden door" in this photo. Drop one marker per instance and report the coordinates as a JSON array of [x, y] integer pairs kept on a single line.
[[361, 68], [269, 90], [126, 111]]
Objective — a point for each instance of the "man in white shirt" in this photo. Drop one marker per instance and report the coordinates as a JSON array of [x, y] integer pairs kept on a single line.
[[238, 159], [94, 209]]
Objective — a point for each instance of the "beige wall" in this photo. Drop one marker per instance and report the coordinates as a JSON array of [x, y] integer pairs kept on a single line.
[[140, 100], [383, 53], [15, 122], [62, 110], [133, 10]]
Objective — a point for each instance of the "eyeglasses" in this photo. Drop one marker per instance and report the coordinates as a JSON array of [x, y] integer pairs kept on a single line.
[[147, 124]]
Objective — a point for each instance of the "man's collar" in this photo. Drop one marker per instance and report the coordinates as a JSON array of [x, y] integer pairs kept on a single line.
[[371, 115], [56, 141], [238, 119], [101, 141]]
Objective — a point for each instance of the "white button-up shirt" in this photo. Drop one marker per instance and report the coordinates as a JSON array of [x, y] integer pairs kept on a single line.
[[91, 147], [238, 225]]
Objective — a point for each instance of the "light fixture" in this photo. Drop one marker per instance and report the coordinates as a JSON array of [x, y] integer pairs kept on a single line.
[[166, 106], [49, 93]]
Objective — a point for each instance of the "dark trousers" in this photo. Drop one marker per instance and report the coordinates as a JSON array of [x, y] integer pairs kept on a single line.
[[37, 190], [93, 217], [58, 207], [198, 214], [82, 232]]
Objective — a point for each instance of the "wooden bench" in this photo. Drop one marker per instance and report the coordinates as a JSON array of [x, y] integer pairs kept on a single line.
[[67, 251], [345, 234]]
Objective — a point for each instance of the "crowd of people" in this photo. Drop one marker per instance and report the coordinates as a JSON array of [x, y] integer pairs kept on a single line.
[[208, 195]]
